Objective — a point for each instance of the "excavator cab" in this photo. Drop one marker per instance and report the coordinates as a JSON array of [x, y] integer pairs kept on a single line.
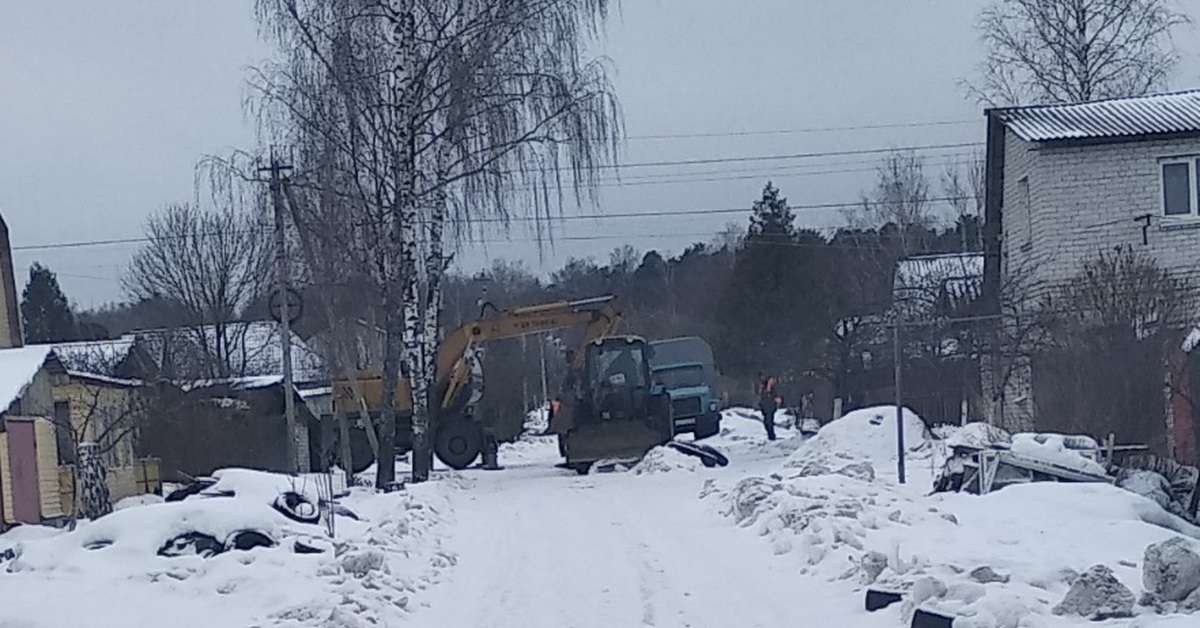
[[617, 412]]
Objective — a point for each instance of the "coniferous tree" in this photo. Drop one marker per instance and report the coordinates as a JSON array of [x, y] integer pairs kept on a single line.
[[45, 311], [757, 304]]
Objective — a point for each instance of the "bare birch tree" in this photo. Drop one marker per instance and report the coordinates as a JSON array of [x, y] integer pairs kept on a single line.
[[1065, 51], [900, 198], [417, 115]]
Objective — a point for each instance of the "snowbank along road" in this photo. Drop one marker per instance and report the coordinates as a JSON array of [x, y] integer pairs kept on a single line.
[[790, 534]]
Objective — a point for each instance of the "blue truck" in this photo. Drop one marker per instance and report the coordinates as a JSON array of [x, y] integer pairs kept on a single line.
[[685, 367]]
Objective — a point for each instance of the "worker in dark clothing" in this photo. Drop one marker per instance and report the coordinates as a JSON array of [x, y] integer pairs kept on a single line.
[[768, 402]]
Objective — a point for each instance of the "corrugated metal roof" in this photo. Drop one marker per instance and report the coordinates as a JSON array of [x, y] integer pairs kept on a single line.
[[1122, 117], [923, 282], [254, 349]]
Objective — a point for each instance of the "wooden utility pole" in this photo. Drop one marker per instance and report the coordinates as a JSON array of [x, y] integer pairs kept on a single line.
[[542, 340], [899, 403], [283, 294]]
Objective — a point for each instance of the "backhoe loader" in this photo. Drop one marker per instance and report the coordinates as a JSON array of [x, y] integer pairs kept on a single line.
[[457, 432], [613, 410]]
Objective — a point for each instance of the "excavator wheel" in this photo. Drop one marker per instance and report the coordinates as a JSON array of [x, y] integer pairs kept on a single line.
[[458, 443]]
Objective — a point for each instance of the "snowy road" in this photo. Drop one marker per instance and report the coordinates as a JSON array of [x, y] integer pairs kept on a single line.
[[540, 547]]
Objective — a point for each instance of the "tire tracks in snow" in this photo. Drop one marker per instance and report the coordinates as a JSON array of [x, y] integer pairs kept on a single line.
[[539, 548]]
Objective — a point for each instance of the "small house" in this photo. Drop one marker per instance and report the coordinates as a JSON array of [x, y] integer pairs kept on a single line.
[[47, 409], [1063, 183], [235, 422]]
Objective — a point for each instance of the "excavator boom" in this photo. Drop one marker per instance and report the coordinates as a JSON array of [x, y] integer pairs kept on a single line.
[[601, 316]]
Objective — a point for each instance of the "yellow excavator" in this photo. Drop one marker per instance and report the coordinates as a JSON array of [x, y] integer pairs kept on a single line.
[[457, 433]]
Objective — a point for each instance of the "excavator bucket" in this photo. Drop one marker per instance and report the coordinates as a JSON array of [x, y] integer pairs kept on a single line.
[[620, 440]]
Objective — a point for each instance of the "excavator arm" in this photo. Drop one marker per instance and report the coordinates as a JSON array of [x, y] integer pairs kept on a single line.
[[600, 315], [454, 368]]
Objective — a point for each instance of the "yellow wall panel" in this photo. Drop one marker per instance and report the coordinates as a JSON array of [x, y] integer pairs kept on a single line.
[[6, 480]]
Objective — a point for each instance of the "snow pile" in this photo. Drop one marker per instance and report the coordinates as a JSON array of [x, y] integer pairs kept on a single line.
[[1007, 559], [979, 435], [1148, 484], [665, 460], [377, 568], [366, 575], [823, 520], [1065, 451], [263, 486], [745, 418], [743, 436], [134, 501], [866, 435]]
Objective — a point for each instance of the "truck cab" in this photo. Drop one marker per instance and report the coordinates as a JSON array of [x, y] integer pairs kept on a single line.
[[684, 367]]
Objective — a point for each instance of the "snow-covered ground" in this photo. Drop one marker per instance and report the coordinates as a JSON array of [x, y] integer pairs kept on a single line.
[[108, 573], [789, 534]]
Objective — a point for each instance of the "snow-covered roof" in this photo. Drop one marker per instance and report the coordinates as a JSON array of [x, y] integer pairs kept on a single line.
[[921, 281], [320, 391], [252, 382], [96, 357], [103, 379], [18, 366], [254, 348], [1106, 119]]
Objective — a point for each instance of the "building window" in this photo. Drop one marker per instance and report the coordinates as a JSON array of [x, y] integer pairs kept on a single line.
[[1179, 187], [1027, 211]]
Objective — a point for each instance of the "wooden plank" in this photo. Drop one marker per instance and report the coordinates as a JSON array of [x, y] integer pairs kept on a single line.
[[6, 488], [47, 469], [121, 483], [66, 488]]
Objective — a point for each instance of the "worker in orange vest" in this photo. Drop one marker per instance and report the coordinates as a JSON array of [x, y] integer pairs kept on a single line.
[[555, 407], [768, 403]]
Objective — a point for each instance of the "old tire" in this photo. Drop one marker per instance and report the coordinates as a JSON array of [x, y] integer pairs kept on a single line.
[[246, 540], [297, 507], [458, 443], [192, 543]]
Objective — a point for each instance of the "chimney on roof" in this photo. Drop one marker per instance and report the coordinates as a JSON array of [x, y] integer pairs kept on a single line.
[[10, 314]]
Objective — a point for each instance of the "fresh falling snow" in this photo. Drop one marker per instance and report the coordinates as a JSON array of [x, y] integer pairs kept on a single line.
[[791, 533]]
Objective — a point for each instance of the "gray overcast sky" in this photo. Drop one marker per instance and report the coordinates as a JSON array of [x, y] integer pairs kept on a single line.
[[105, 108]]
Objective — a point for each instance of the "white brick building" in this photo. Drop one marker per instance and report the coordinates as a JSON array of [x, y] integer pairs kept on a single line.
[[1067, 181]]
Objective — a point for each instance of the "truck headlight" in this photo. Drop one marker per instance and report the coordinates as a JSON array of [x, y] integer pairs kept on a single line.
[[712, 406]]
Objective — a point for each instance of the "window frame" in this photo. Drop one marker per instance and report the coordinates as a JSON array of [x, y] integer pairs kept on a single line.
[[1193, 194], [1026, 202]]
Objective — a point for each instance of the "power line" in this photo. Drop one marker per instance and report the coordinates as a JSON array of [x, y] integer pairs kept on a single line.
[[519, 219], [797, 131], [873, 162], [812, 155]]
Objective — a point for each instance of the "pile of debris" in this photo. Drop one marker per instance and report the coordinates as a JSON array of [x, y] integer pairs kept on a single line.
[[983, 458]]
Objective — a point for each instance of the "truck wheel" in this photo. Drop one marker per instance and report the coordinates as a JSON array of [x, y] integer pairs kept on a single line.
[[458, 443]]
